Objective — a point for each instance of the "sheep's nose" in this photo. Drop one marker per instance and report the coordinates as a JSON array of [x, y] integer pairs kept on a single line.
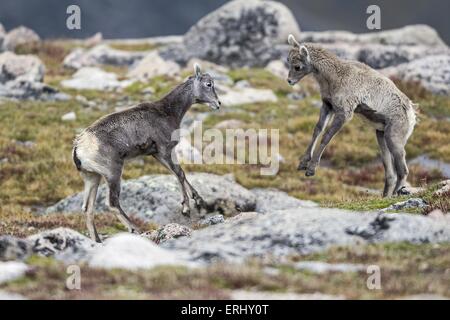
[[220, 103], [291, 82]]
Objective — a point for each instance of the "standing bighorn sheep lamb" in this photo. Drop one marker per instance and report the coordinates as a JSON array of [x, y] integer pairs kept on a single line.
[[146, 129], [349, 87]]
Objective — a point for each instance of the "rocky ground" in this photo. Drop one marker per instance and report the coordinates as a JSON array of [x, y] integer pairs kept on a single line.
[[284, 236]]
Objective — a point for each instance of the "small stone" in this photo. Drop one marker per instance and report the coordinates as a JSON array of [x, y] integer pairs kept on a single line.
[[242, 84], [169, 231], [70, 116], [323, 267], [12, 270], [296, 96], [278, 68], [407, 204], [216, 219], [230, 124]]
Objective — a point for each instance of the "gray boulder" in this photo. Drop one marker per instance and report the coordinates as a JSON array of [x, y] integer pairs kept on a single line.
[[412, 35], [93, 78], [381, 56], [241, 33], [64, 244], [305, 230], [157, 198], [12, 248], [21, 77], [20, 67], [131, 252], [432, 72], [18, 36], [268, 200], [381, 49], [101, 54]]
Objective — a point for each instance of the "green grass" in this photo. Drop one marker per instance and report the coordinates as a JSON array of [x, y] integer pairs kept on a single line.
[[400, 265]]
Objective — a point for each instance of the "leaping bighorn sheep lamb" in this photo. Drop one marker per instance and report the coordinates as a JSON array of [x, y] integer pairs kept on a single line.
[[146, 129], [349, 87]]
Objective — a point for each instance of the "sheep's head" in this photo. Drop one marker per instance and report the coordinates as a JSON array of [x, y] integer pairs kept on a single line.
[[299, 61], [204, 90]]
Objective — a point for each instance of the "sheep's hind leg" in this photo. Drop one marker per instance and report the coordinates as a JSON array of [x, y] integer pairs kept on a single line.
[[91, 183], [396, 142], [390, 177], [114, 202]]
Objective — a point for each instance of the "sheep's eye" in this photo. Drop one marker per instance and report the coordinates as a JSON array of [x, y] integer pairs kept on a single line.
[[209, 84], [297, 68]]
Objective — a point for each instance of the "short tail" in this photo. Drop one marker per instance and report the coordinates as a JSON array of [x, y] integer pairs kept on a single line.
[[76, 160]]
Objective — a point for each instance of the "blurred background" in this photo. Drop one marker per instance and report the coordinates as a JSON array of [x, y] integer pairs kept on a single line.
[[143, 18]]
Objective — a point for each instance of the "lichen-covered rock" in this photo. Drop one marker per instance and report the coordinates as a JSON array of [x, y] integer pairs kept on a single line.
[[268, 200], [101, 54], [18, 36], [382, 56], [169, 231], [243, 95], [443, 188], [92, 78], [412, 35], [210, 221], [157, 198], [241, 33], [278, 68], [12, 248], [153, 65], [20, 67], [21, 77], [305, 230], [64, 244], [432, 72], [131, 252], [407, 204]]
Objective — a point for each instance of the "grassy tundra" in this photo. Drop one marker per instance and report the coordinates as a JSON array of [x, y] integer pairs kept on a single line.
[[33, 176]]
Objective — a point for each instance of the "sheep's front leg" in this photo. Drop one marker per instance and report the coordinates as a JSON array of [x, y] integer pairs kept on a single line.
[[338, 122], [166, 159], [324, 118]]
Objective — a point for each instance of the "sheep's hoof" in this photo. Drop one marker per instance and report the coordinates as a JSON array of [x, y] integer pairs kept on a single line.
[[199, 202], [310, 172], [403, 191], [186, 211], [303, 165]]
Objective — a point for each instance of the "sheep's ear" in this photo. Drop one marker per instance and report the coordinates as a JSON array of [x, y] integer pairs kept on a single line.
[[305, 54], [197, 70], [292, 41]]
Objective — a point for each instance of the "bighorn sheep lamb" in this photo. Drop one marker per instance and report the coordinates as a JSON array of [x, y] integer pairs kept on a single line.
[[146, 129], [349, 87]]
